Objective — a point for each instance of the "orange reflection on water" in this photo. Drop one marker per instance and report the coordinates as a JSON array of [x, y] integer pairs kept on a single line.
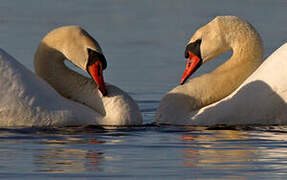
[[68, 156], [216, 150]]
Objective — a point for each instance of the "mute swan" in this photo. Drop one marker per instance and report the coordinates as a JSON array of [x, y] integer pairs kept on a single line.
[[233, 93], [66, 98]]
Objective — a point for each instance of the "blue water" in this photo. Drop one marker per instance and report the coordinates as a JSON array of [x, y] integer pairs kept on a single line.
[[143, 42], [143, 153]]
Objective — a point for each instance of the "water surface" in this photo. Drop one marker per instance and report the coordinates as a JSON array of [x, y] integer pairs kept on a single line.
[[143, 153]]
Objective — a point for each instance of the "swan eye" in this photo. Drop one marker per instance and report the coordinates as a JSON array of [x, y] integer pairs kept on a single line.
[[193, 47], [96, 56]]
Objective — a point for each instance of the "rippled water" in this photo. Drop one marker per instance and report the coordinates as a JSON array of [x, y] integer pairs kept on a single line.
[[143, 42], [143, 153]]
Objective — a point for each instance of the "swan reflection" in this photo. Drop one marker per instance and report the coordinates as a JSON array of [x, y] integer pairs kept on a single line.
[[73, 159], [235, 151]]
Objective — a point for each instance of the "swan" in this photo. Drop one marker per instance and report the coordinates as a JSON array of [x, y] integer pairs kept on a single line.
[[244, 90], [57, 95]]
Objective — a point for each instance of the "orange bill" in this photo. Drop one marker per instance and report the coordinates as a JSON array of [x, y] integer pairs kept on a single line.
[[193, 62], [96, 71]]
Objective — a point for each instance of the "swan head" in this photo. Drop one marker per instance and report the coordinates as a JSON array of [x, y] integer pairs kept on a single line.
[[76, 45], [221, 34]]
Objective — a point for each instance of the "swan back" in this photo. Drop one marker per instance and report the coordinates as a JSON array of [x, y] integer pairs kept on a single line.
[[26, 100], [261, 99]]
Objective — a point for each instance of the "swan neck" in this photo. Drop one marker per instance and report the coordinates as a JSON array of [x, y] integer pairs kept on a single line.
[[214, 86], [49, 65], [231, 74]]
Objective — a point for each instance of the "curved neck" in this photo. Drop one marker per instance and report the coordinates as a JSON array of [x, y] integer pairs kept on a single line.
[[49, 65], [214, 86]]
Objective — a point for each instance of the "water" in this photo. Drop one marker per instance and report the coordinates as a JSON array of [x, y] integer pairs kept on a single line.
[[143, 42], [143, 153]]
